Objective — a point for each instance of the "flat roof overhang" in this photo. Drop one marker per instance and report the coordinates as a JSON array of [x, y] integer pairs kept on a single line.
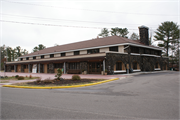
[[78, 58]]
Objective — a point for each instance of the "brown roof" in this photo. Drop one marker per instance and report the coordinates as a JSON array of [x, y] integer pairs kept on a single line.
[[111, 40]]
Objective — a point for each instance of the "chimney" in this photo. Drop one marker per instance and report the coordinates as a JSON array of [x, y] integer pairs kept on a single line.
[[144, 34]]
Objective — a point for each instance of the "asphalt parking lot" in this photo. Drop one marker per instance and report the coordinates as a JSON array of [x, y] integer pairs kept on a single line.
[[145, 96]]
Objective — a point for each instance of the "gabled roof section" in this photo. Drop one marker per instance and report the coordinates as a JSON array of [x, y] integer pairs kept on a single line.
[[111, 40]]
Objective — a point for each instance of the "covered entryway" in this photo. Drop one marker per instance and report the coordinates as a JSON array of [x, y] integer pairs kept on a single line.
[[95, 67]]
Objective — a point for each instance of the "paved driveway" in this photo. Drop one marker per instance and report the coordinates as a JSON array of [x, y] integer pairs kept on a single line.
[[148, 96]]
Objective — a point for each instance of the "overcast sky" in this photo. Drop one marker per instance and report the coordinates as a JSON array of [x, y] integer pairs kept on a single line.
[[27, 23]]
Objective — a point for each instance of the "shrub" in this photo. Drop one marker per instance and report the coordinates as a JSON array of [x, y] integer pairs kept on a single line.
[[38, 80], [76, 77], [59, 73], [30, 76], [16, 76], [20, 78]]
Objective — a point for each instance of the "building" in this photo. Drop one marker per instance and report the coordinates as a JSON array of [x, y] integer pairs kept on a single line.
[[114, 54]]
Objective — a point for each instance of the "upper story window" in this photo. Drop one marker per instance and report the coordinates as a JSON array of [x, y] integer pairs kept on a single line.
[[76, 52], [51, 55], [42, 56], [21, 59], [63, 54], [34, 57], [134, 50], [92, 51], [27, 58], [115, 49]]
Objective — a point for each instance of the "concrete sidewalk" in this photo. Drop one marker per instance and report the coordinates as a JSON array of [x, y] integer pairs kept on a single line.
[[44, 76]]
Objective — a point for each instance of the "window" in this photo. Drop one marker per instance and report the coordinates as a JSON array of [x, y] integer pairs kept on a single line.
[[92, 51], [119, 66], [63, 54], [12, 67], [115, 49], [34, 57], [74, 66], [21, 59], [51, 55], [27, 58], [25, 66], [134, 50], [135, 65], [42, 56], [58, 65], [76, 52], [157, 66]]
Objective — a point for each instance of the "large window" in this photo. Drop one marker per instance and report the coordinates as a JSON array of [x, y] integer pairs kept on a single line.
[[58, 65], [74, 66], [27, 58], [135, 65], [34, 57], [157, 65], [119, 66], [92, 51], [76, 52], [63, 54], [12, 67], [115, 49], [51, 55]]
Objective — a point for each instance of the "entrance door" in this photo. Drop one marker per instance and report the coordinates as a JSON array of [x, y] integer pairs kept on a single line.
[[94, 67]]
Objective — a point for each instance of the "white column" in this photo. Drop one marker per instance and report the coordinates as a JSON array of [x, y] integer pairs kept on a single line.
[[29, 68], [39, 68], [64, 67], [104, 65], [15, 68]]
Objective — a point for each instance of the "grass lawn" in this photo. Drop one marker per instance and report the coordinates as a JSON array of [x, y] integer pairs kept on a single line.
[[4, 81]]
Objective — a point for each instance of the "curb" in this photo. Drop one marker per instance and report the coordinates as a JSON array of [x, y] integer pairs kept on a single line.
[[59, 87]]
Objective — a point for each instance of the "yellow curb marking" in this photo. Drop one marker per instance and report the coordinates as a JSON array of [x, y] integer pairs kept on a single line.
[[58, 87]]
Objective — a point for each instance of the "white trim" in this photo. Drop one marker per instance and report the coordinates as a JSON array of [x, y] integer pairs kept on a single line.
[[135, 54], [119, 71], [115, 52], [157, 68], [95, 48], [150, 55], [137, 70]]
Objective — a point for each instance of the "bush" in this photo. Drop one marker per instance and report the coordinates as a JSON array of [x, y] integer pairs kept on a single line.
[[59, 73], [17, 76], [38, 80], [76, 77], [20, 78], [30, 76]]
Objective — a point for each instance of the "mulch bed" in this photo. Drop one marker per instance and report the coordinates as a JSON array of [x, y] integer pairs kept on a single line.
[[63, 82]]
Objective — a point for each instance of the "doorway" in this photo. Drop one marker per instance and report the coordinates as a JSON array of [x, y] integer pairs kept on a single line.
[[94, 67]]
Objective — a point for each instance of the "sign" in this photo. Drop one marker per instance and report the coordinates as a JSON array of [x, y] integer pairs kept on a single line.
[[34, 68]]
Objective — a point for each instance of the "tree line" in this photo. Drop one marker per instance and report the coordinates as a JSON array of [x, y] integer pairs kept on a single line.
[[9, 54]]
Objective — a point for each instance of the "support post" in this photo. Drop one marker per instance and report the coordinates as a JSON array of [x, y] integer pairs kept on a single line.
[[14, 68], [64, 67], [39, 68], [29, 68], [104, 65]]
